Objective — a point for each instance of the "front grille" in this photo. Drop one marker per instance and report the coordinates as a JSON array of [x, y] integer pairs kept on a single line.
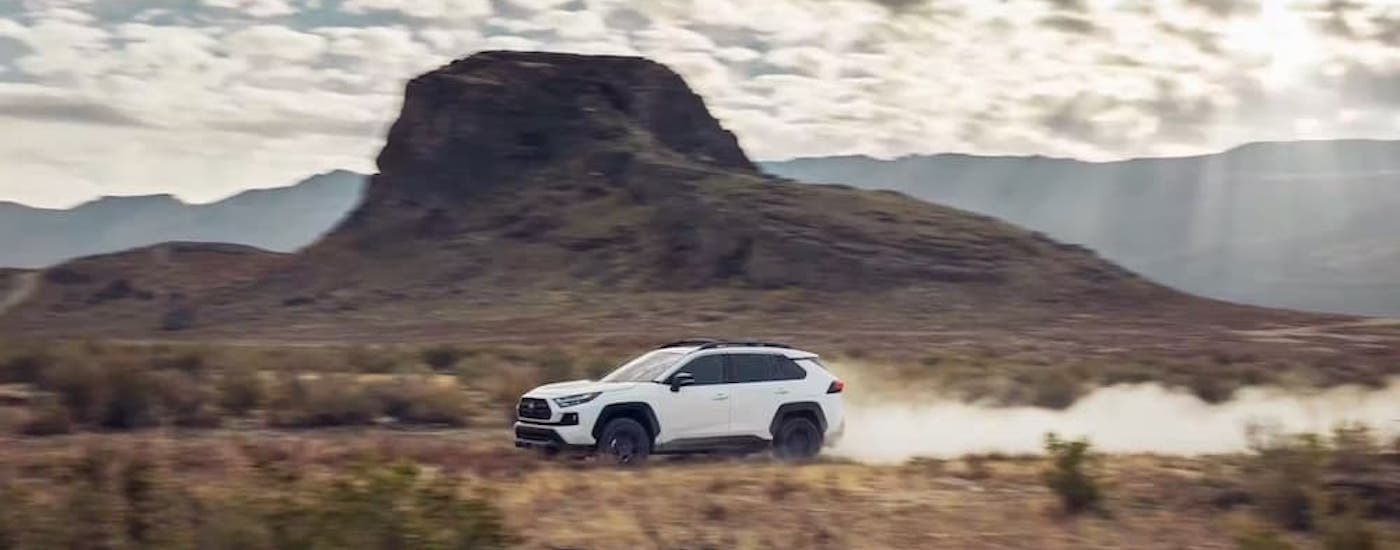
[[544, 435], [530, 407]]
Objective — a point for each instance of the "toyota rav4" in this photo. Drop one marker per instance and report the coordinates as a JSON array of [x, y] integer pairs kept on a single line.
[[690, 396]]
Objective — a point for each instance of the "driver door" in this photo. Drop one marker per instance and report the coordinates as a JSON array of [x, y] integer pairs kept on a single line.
[[698, 410]]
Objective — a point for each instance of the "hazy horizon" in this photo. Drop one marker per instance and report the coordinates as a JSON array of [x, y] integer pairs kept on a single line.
[[202, 201]]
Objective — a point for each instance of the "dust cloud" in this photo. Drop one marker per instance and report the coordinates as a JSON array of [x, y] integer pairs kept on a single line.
[[1118, 419]]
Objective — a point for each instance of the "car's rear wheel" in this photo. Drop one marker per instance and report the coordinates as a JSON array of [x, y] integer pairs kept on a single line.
[[624, 442], [798, 438]]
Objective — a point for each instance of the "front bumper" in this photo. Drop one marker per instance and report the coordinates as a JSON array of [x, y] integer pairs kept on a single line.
[[545, 436], [542, 424]]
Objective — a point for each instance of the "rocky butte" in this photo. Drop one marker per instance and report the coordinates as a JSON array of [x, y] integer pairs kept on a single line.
[[521, 194]]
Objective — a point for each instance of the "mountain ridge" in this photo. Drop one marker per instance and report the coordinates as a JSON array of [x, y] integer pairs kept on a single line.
[[1223, 226], [300, 212], [1240, 147]]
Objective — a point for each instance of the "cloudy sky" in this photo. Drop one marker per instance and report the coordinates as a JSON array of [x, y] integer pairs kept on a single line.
[[202, 98]]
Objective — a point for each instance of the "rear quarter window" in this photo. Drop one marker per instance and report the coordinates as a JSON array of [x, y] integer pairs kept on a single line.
[[786, 369], [763, 367]]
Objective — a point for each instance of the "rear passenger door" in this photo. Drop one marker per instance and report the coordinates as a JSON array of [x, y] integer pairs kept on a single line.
[[762, 383]]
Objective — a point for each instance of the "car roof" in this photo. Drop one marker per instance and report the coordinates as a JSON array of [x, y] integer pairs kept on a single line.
[[791, 353]]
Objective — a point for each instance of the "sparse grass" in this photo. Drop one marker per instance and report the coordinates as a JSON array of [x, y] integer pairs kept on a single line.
[[1256, 536], [104, 386], [356, 491], [120, 497]]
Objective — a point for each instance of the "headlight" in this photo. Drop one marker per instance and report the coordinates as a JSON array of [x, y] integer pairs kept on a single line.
[[571, 400]]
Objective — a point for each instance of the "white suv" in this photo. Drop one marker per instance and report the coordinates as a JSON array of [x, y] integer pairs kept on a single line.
[[691, 396]]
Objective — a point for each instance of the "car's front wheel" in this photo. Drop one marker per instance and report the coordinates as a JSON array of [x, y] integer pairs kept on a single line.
[[624, 442], [798, 438]]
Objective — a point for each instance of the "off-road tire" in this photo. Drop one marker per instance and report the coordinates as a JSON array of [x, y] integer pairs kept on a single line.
[[798, 439], [624, 442]]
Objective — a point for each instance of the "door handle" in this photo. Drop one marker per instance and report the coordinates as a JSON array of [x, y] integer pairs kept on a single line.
[[721, 397], [781, 392]]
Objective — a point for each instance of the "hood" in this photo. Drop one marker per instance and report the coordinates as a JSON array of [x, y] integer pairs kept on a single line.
[[561, 389]]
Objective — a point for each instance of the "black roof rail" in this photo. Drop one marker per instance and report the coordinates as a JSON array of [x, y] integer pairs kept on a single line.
[[689, 342], [737, 344]]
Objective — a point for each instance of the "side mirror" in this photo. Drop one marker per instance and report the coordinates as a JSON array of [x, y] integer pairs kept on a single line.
[[681, 379]]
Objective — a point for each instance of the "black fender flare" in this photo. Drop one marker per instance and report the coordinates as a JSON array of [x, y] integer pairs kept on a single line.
[[627, 409], [797, 407]]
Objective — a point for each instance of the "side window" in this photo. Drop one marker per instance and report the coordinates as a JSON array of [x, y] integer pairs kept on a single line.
[[786, 369], [708, 369], [751, 367]]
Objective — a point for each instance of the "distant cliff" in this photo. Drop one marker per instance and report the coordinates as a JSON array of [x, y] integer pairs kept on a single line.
[[1306, 225], [281, 219]]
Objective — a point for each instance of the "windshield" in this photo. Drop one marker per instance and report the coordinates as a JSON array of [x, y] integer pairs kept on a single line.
[[645, 368]]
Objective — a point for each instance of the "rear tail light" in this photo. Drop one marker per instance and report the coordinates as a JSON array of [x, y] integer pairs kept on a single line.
[[836, 386]]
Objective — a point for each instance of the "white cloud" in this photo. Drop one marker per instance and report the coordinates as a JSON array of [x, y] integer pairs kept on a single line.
[[211, 88], [255, 8], [574, 25], [507, 42], [452, 10], [536, 5], [275, 42]]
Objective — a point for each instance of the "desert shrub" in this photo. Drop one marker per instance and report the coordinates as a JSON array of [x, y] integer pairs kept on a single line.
[[555, 366], [397, 507], [116, 395], [1212, 387], [1354, 449], [505, 388], [1067, 476], [25, 368], [158, 512], [419, 401], [12, 504], [240, 391], [369, 360], [1285, 476], [1349, 532], [1054, 389], [188, 403], [47, 416], [1128, 373], [177, 319], [189, 362], [441, 358], [331, 400], [1259, 537], [1331, 484], [79, 387], [975, 467], [104, 499], [133, 400]]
